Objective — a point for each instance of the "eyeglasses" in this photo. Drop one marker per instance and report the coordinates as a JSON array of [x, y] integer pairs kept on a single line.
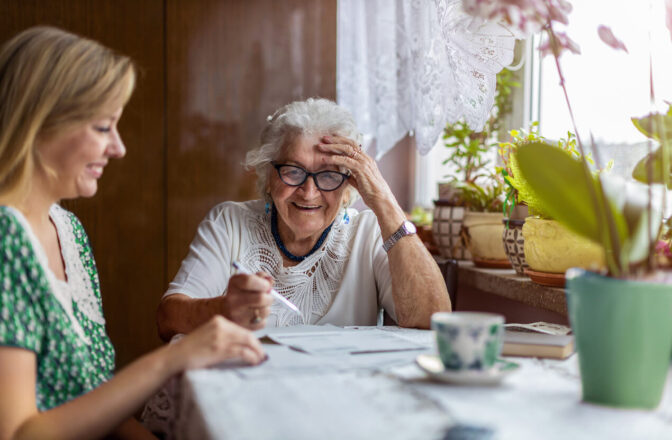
[[296, 176]]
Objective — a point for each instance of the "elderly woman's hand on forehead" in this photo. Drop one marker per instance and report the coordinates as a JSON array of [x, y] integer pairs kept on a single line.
[[366, 177]]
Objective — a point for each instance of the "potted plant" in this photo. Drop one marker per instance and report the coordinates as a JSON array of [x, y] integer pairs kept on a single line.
[[538, 241], [621, 317], [469, 158], [482, 227]]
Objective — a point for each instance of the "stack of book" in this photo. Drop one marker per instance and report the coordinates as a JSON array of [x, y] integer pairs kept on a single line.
[[539, 339]]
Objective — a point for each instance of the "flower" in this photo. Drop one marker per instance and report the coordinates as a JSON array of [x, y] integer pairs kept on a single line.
[[556, 43], [526, 16], [609, 39]]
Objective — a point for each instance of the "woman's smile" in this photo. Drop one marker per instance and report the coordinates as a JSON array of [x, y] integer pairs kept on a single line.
[[95, 169], [306, 207]]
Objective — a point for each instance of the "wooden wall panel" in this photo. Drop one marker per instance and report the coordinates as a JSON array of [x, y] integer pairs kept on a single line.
[[230, 64], [125, 220], [211, 71]]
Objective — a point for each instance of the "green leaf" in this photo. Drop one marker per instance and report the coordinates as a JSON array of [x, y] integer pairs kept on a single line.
[[557, 178], [574, 197], [655, 126], [636, 248], [655, 162]]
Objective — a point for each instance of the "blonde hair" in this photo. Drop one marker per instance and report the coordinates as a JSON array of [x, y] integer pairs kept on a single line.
[[313, 116], [50, 80]]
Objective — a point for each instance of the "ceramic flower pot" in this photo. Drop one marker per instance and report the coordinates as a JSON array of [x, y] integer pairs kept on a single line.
[[514, 244], [482, 234], [623, 333], [550, 249], [446, 228]]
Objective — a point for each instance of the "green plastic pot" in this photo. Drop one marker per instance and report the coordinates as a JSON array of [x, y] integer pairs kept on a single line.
[[623, 332]]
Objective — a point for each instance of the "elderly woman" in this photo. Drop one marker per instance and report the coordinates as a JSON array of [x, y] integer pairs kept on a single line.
[[61, 97], [338, 266]]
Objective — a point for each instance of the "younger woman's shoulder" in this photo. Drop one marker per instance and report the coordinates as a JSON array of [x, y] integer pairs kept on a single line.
[[11, 223]]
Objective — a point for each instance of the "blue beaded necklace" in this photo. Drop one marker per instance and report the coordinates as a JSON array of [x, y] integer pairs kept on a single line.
[[281, 245]]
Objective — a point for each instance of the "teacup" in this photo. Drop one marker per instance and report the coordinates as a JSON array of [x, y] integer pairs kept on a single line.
[[468, 340]]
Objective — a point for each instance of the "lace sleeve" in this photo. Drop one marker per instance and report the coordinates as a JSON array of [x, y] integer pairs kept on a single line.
[[206, 269]]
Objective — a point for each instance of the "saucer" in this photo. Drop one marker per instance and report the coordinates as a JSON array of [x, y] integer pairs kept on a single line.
[[432, 365]]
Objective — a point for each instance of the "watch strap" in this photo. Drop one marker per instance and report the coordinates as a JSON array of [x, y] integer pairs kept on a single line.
[[398, 234]]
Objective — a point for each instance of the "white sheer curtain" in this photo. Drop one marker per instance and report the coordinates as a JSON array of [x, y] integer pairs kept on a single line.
[[414, 65]]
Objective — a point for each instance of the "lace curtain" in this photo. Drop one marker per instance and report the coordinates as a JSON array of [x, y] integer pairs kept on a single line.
[[414, 65]]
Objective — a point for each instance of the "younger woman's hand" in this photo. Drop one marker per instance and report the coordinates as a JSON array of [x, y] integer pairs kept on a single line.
[[215, 341]]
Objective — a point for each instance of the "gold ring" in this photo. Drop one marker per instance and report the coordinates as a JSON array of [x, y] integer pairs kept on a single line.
[[256, 319]]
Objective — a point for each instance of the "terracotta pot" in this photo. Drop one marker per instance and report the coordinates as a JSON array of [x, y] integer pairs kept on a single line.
[[514, 244], [446, 229], [482, 234], [550, 247]]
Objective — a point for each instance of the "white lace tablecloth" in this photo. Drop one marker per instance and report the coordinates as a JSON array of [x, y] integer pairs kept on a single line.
[[388, 397]]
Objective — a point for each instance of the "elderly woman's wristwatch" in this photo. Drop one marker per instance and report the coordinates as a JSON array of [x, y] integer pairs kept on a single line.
[[406, 228]]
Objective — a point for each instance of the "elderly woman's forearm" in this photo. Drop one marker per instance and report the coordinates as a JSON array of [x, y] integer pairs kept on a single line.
[[418, 287], [180, 313]]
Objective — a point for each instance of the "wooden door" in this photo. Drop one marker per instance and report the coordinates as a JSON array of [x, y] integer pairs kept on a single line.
[[125, 221], [210, 73]]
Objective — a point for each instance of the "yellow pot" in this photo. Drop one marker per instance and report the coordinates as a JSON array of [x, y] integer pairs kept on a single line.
[[550, 247], [483, 235]]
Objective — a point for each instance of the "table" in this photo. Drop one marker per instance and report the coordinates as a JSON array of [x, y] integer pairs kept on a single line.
[[387, 396]]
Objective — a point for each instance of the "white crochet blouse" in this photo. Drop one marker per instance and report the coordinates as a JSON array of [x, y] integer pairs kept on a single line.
[[346, 282]]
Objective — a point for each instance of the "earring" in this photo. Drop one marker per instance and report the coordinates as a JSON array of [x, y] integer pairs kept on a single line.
[[267, 207], [346, 217]]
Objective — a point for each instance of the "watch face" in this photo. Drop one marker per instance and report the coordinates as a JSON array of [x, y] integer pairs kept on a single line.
[[410, 227]]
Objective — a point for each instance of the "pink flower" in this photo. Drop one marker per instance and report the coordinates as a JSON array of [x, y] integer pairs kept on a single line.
[[609, 39], [526, 16], [668, 16], [663, 248], [557, 45]]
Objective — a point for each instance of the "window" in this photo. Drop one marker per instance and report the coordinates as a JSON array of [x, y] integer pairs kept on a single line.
[[606, 87]]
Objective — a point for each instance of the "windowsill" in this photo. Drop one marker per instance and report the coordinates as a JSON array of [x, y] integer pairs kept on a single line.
[[506, 283], [502, 291]]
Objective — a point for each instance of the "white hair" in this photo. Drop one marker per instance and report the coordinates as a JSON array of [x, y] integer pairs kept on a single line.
[[314, 116]]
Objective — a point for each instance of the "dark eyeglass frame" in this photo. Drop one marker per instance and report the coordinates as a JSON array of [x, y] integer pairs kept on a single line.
[[308, 174]]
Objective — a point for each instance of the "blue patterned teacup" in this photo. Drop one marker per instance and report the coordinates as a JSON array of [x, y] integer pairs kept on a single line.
[[468, 340]]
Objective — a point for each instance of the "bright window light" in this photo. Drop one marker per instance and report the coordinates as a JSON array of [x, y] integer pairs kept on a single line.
[[607, 87]]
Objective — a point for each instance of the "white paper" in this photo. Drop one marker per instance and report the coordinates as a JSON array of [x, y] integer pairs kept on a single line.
[[345, 341]]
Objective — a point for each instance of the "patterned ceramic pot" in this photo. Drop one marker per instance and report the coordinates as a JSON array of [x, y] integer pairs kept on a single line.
[[446, 228], [514, 244]]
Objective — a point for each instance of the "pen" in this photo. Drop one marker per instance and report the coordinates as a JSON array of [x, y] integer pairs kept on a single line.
[[287, 303]]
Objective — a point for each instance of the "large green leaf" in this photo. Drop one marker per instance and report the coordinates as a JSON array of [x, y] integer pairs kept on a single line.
[[574, 197], [559, 181]]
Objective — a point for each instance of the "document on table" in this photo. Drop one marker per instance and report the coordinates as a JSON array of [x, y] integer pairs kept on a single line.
[[338, 341]]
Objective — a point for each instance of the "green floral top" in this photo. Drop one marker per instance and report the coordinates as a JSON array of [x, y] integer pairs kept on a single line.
[[62, 322]]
